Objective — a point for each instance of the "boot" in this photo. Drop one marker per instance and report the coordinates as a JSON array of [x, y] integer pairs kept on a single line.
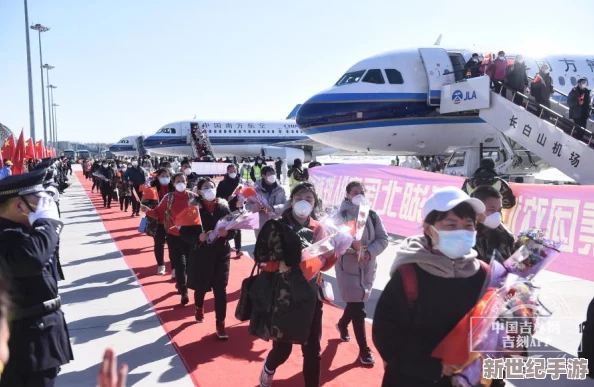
[[221, 332], [185, 299], [199, 315]]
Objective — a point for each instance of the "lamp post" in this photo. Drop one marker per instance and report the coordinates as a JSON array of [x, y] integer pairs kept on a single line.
[[52, 110], [30, 78], [39, 28], [49, 103], [55, 105]]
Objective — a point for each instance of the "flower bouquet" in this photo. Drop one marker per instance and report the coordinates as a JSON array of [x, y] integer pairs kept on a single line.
[[535, 253], [250, 194], [338, 239], [237, 220]]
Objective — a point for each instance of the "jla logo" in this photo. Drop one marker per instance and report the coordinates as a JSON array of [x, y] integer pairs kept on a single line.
[[458, 96]]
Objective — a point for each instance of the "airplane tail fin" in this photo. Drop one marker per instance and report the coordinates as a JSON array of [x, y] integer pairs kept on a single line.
[[438, 41], [293, 113]]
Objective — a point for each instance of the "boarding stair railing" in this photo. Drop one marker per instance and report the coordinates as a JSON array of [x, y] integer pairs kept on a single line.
[[554, 138], [200, 142], [558, 102]]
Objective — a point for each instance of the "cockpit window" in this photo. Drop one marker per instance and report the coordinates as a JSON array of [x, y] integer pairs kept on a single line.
[[124, 142], [394, 77], [374, 76], [352, 77]]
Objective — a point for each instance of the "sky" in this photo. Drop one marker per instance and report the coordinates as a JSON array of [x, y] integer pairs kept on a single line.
[[129, 67]]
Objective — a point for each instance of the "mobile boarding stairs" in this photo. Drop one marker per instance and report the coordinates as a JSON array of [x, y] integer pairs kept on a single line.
[[545, 132]]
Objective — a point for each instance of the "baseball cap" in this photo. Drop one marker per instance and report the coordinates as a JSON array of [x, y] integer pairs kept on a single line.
[[444, 199], [9, 163]]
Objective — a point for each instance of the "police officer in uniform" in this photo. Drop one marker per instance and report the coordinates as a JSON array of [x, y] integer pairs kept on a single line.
[[29, 233]]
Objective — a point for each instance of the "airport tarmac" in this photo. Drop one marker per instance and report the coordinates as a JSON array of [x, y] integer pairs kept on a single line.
[[105, 305]]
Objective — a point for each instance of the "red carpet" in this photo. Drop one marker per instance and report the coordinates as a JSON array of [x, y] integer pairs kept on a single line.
[[238, 361]]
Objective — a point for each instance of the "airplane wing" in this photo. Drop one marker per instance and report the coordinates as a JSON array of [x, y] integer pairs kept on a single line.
[[311, 145]]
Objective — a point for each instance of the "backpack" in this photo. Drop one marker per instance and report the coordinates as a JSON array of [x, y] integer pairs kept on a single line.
[[585, 351], [411, 286]]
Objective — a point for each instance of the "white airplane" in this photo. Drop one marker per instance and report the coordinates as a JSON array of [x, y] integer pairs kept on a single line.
[[239, 138], [125, 147], [388, 103]]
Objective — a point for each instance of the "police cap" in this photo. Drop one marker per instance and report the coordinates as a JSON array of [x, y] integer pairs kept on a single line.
[[23, 184]]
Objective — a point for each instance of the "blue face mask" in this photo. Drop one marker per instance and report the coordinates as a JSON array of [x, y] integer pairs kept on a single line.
[[455, 244]]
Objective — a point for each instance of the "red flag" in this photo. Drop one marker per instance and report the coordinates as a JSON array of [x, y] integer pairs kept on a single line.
[[8, 147], [1, 160], [18, 158], [40, 152], [53, 152], [29, 149], [149, 193], [190, 216], [248, 192]]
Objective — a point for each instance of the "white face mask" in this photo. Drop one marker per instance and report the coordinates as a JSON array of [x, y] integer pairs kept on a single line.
[[165, 180], [104, 165], [302, 209], [455, 244], [493, 221], [209, 194], [124, 169], [134, 163], [271, 179], [180, 187], [546, 71], [233, 175], [187, 171], [475, 60], [357, 200], [501, 57]]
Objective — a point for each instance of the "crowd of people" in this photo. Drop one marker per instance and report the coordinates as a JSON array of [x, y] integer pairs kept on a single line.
[[510, 78], [460, 229]]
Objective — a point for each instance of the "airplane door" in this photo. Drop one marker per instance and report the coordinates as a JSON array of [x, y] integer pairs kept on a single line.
[[439, 70]]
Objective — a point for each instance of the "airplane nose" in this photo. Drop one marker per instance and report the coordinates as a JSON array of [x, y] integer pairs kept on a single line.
[[314, 113]]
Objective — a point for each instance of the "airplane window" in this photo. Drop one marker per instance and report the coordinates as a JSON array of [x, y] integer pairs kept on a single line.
[[258, 131], [249, 131], [561, 81], [243, 131], [374, 76], [573, 81], [352, 77], [457, 159], [287, 130], [280, 131], [225, 130], [394, 77], [235, 131]]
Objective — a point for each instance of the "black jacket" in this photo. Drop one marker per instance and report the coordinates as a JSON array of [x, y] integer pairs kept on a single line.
[[208, 265], [226, 188], [483, 176], [405, 337], [542, 88], [135, 175], [516, 77], [27, 260], [473, 67], [575, 109]]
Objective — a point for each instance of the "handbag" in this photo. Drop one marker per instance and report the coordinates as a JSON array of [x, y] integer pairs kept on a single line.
[[243, 311], [142, 225], [151, 227]]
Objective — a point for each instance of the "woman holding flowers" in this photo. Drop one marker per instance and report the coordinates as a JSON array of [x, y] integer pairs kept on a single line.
[[436, 280], [208, 264]]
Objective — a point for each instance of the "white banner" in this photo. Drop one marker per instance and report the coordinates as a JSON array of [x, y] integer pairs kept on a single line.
[[470, 94]]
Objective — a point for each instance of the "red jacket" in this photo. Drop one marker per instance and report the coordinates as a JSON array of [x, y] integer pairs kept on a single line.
[[180, 201], [497, 69]]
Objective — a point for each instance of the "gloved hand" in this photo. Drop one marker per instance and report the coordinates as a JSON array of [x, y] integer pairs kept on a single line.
[[341, 242], [45, 209], [53, 192]]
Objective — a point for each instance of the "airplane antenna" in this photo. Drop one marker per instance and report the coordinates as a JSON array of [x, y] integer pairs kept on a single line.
[[438, 41]]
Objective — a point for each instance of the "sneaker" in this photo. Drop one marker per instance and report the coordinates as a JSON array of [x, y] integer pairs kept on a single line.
[[365, 357], [185, 299], [266, 377], [161, 270], [238, 253], [199, 315], [173, 274], [221, 333], [343, 332]]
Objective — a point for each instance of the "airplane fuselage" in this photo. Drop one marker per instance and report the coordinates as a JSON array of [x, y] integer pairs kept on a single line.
[[388, 104]]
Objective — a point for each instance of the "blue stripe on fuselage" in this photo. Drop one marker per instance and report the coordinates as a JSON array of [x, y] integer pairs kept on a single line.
[[334, 112], [167, 141], [120, 148], [395, 122]]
